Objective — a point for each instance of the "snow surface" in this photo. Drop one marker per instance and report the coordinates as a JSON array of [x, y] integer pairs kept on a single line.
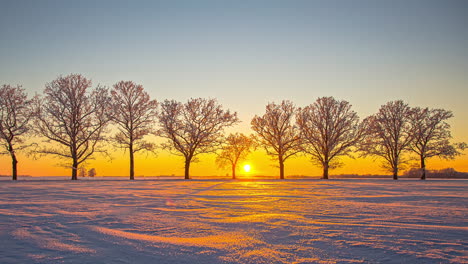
[[223, 221]]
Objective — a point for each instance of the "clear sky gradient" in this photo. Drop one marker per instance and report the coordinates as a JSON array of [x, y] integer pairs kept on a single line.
[[245, 54]]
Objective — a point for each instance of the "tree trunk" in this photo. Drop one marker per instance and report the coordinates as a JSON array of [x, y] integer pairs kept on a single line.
[[14, 162], [75, 170], [132, 163], [325, 171], [423, 169], [395, 172], [233, 171], [281, 165], [187, 168]]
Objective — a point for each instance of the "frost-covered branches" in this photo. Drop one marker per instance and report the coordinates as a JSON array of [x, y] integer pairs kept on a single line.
[[135, 115], [15, 115], [193, 128], [389, 134], [74, 117], [432, 135], [238, 146], [277, 133], [329, 128]]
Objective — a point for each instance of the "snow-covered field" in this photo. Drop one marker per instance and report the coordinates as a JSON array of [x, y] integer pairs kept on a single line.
[[222, 221]]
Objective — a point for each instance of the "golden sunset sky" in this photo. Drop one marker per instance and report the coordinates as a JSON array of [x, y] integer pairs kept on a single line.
[[245, 54]]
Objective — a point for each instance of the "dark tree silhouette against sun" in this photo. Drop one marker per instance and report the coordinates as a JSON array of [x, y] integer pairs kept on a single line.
[[236, 148]]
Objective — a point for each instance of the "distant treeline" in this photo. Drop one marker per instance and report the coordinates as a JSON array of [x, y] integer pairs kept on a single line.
[[449, 173]]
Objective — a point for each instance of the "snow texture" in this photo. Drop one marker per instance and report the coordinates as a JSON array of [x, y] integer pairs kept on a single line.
[[224, 221]]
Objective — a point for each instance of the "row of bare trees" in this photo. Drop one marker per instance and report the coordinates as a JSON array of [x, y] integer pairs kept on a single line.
[[329, 129], [72, 119]]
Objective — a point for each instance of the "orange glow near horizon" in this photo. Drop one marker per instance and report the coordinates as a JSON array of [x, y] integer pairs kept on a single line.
[[166, 164]]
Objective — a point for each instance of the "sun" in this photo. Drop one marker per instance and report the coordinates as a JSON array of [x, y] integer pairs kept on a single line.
[[247, 167]]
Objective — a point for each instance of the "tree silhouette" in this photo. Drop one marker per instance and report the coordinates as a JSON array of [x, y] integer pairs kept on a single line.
[[276, 132], [92, 172], [74, 118], [389, 134], [236, 149], [193, 128], [432, 136], [15, 115], [329, 128], [82, 171], [135, 115]]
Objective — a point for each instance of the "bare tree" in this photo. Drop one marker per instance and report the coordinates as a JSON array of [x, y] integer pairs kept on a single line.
[[92, 172], [277, 133], [135, 114], [238, 146], [74, 118], [389, 134], [15, 114], [193, 128], [329, 128], [432, 136], [82, 171]]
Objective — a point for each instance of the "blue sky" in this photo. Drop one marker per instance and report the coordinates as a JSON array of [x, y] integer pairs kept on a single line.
[[248, 53]]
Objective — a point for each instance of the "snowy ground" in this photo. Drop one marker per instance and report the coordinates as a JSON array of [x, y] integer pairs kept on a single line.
[[214, 221]]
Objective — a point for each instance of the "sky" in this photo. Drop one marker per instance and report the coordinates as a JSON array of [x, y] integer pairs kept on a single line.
[[245, 54]]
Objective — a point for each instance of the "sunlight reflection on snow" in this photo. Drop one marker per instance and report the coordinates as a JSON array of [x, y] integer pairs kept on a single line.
[[296, 221]]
